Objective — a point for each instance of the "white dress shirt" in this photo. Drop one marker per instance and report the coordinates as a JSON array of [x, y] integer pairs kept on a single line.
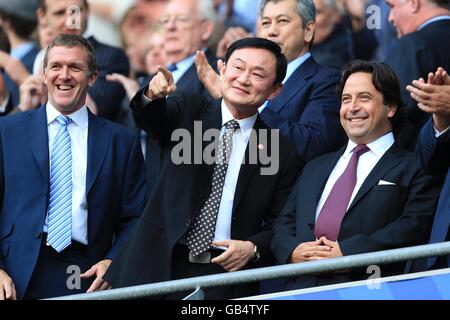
[[366, 163], [78, 131], [240, 140]]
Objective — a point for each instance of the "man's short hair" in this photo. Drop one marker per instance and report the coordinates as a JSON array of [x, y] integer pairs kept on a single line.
[[43, 5], [206, 11], [305, 9], [261, 43], [384, 80], [71, 41]]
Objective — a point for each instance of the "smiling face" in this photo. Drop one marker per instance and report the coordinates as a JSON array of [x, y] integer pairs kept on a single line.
[[67, 77], [363, 114], [247, 80], [281, 23]]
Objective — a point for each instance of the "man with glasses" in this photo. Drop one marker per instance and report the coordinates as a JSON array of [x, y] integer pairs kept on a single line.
[[187, 26]]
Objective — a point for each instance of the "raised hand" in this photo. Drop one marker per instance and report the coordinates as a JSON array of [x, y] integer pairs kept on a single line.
[[33, 93], [131, 86], [433, 96], [207, 75], [161, 85]]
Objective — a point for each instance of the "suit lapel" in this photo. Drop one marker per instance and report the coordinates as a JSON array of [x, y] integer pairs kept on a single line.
[[98, 143], [211, 119], [295, 83], [389, 160], [247, 169], [38, 137]]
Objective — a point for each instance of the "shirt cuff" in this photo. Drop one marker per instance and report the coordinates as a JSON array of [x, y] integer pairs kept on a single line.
[[145, 99], [437, 133]]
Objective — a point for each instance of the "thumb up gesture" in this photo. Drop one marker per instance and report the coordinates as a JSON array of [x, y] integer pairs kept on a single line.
[[161, 85]]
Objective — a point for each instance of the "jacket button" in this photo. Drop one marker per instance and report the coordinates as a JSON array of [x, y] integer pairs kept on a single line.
[[187, 223], [38, 234]]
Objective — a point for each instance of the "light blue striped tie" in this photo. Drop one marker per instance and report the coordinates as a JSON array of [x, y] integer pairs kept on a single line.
[[60, 204]]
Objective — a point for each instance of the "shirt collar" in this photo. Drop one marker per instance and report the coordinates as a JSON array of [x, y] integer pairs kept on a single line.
[[245, 125], [21, 50], [294, 64], [432, 20], [378, 147], [79, 117]]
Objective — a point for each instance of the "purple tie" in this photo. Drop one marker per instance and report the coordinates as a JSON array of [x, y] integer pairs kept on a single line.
[[333, 211]]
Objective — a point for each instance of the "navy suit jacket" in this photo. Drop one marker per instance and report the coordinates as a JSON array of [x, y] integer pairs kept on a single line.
[[380, 217], [414, 56], [335, 50], [115, 190], [108, 95], [434, 156], [307, 110]]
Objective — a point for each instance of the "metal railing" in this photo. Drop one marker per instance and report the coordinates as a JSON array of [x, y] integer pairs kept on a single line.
[[267, 273]]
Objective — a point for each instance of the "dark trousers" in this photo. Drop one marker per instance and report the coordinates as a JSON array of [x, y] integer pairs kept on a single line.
[[182, 268], [54, 274]]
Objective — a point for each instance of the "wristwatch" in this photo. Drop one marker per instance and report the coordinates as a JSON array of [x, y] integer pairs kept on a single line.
[[256, 254]]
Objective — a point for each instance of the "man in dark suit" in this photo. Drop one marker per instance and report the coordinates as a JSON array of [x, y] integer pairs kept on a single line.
[[342, 206], [433, 149], [307, 110], [163, 245], [70, 184], [71, 17], [423, 27]]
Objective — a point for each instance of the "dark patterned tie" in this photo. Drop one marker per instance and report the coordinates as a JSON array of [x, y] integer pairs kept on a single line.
[[201, 234], [333, 211]]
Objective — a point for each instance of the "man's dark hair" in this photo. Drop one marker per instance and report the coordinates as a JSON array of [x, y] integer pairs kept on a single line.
[[261, 43], [43, 5], [385, 81], [70, 41], [22, 27]]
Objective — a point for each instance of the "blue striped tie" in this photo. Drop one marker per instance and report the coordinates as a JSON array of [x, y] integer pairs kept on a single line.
[[60, 205]]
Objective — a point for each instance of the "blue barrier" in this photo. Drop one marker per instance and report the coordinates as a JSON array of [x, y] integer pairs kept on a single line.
[[430, 285]]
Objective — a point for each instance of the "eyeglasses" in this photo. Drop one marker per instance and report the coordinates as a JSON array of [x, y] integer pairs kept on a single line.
[[179, 20]]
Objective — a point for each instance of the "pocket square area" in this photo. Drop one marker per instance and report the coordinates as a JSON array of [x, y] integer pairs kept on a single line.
[[385, 183]]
